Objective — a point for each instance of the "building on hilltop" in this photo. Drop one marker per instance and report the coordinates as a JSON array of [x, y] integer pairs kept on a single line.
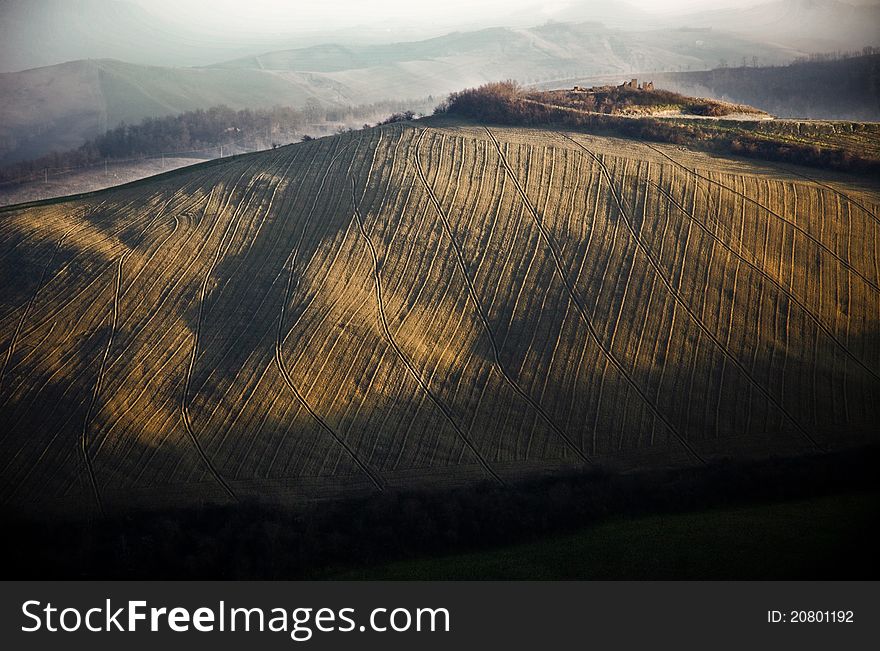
[[633, 84]]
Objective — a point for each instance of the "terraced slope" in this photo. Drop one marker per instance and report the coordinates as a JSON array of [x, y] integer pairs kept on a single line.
[[426, 304]]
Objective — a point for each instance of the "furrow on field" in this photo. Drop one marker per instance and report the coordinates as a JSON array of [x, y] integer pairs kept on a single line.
[[394, 427], [244, 297], [769, 278], [170, 291], [584, 256], [608, 423], [315, 327], [816, 241], [149, 258], [419, 295], [635, 292], [244, 217], [697, 320], [100, 379], [544, 342], [232, 226], [548, 238], [244, 281], [786, 263], [401, 355], [473, 374], [479, 308], [374, 373], [10, 351], [153, 357], [412, 264], [495, 249], [61, 362], [30, 453], [843, 195], [566, 201], [282, 333], [70, 297], [397, 199], [128, 383]]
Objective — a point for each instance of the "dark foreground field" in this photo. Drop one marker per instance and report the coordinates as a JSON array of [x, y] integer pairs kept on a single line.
[[816, 538], [812, 517]]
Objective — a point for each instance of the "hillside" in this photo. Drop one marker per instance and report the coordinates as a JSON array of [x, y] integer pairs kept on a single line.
[[90, 178], [430, 304], [845, 89], [59, 107]]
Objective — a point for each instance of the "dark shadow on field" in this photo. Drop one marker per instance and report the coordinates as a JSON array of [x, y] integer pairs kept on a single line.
[[22, 268], [41, 420], [27, 273]]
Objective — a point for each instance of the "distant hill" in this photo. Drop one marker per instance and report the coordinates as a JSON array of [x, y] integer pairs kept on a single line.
[[59, 107], [545, 51], [845, 89], [36, 33], [811, 25], [430, 304]]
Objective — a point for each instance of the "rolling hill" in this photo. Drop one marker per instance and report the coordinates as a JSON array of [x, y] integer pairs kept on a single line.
[[430, 304]]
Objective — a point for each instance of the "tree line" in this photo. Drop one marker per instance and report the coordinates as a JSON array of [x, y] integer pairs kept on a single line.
[[196, 132], [254, 540]]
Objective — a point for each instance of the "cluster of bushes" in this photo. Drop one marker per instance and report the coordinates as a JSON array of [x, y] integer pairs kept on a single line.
[[507, 103], [405, 116], [502, 101], [271, 542], [614, 99], [709, 109]]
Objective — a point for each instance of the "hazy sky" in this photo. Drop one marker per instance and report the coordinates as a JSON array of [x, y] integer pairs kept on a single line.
[[278, 15], [286, 16]]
